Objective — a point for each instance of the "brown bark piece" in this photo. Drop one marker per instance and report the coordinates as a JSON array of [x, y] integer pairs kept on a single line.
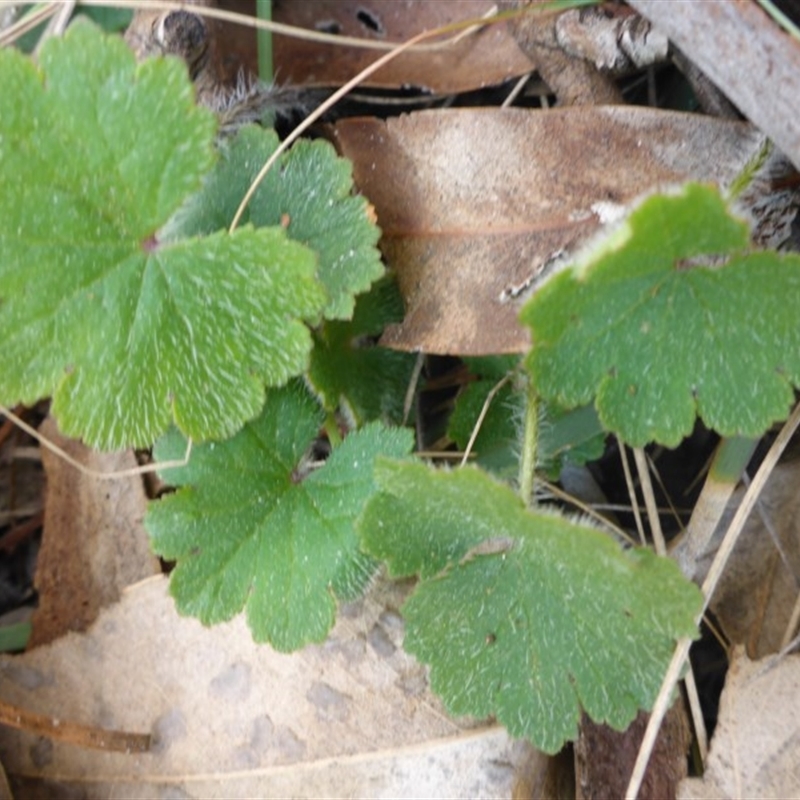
[[93, 542], [573, 80], [604, 758]]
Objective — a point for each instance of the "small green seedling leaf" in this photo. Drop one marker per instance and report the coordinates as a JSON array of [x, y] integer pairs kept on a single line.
[[496, 446], [125, 332], [525, 615], [671, 317], [573, 436], [255, 525], [309, 193], [565, 437], [348, 368]]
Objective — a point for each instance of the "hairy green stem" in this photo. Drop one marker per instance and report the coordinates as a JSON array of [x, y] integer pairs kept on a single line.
[[527, 465], [265, 71]]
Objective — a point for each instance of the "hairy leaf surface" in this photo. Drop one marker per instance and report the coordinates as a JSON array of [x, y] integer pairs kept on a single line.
[[523, 614], [256, 526], [128, 333], [669, 318], [309, 193]]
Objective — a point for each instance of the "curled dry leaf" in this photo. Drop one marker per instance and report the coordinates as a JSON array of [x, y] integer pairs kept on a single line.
[[477, 205], [615, 42], [755, 597], [94, 544], [754, 752], [574, 80]]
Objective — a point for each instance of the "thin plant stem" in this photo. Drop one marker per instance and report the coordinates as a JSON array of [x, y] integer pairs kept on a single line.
[[643, 468], [264, 37], [782, 19], [411, 389], [697, 716], [626, 469], [530, 440], [789, 633], [640, 459], [93, 473]]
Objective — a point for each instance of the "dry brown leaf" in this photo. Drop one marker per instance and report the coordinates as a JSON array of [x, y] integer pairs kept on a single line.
[[484, 58], [757, 592], [745, 54], [755, 750], [93, 541], [350, 717], [473, 203]]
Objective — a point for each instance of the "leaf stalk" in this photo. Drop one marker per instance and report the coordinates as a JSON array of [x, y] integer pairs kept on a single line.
[[530, 440]]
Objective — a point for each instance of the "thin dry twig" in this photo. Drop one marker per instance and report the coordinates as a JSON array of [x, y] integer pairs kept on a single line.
[[57, 24], [643, 469], [589, 510], [305, 34], [791, 628], [709, 585], [482, 416], [73, 733], [27, 23], [93, 473], [411, 390], [631, 490]]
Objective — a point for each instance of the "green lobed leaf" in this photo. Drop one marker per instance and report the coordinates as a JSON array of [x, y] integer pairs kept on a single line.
[[525, 614], [254, 526], [349, 369], [656, 336], [125, 332], [309, 192]]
